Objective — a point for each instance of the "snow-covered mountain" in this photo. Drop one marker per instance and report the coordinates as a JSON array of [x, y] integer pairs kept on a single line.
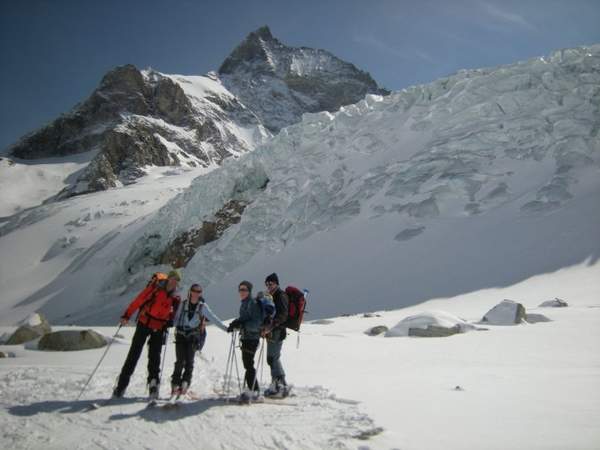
[[480, 179], [136, 119]]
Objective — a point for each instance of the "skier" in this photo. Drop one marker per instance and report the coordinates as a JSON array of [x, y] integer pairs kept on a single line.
[[157, 304], [250, 322], [190, 333], [275, 333]]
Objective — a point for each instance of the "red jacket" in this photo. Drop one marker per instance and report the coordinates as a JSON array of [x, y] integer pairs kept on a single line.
[[157, 307]]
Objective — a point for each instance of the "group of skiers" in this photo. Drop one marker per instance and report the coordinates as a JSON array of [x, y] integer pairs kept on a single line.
[[160, 308]]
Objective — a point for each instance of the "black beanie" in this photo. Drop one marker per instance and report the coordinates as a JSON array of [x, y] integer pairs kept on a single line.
[[247, 284], [273, 277]]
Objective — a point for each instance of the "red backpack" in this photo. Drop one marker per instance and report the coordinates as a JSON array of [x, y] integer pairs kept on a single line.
[[296, 307]]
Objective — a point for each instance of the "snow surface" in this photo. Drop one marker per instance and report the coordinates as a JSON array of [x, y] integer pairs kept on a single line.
[[496, 390]]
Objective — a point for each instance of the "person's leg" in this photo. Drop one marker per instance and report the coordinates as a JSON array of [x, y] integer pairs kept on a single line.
[[135, 350], [189, 351], [179, 360], [274, 361], [249, 347], [154, 348]]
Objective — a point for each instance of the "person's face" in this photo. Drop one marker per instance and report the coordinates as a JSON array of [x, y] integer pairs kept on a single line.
[[172, 284], [244, 292], [271, 287], [195, 294]]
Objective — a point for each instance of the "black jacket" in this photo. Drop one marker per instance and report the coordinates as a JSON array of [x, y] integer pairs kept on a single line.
[[281, 301]]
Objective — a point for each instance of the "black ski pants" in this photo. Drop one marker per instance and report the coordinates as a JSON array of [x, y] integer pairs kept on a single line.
[[155, 342], [249, 347], [185, 348]]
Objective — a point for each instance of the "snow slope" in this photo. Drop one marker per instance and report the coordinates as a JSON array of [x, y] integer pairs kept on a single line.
[[520, 387]]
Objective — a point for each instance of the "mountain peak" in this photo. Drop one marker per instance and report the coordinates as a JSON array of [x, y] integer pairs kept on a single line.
[[251, 49]]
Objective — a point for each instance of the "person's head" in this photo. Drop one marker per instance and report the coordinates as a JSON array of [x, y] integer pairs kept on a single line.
[[173, 279], [245, 289], [195, 293], [272, 282]]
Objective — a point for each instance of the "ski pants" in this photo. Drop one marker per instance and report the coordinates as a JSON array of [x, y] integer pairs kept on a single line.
[[249, 347], [274, 359], [155, 341], [185, 349]]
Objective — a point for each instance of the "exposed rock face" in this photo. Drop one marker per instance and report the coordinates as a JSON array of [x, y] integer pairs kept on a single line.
[[536, 318], [70, 340], [33, 327], [143, 118], [183, 248], [434, 331], [280, 83], [506, 312]]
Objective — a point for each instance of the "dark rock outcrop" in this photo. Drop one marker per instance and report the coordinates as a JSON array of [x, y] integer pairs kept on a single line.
[[71, 340]]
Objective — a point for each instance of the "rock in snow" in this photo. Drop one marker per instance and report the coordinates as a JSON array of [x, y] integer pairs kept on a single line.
[[536, 318], [376, 331], [70, 340], [31, 328], [556, 303], [430, 324], [507, 312]]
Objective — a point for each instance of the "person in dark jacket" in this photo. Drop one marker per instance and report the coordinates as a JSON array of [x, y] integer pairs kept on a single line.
[[157, 304], [190, 332], [250, 322], [275, 333]]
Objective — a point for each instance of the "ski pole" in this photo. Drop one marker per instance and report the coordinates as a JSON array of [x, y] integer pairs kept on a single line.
[[99, 362], [237, 371], [259, 365], [162, 364], [226, 381]]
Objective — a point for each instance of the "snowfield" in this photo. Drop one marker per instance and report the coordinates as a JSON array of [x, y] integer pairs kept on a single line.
[[518, 387]]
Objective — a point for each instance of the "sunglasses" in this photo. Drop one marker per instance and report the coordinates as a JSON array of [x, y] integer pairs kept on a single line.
[[270, 283], [243, 290], [196, 291]]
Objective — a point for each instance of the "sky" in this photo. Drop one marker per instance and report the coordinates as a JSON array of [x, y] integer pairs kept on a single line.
[[54, 53]]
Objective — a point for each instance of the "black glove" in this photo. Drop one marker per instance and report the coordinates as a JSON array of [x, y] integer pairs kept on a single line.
[[233, 325], [169, 324]]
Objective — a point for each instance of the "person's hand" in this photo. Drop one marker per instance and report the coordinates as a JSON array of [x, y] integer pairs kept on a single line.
[[265, 331], [123, 321], [233, 325]]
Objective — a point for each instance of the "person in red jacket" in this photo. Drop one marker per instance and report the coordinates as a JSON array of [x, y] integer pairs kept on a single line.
[[157, 304]]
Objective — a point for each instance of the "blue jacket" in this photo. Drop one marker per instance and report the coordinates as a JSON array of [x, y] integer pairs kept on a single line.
[[185, 325], [251, 318]]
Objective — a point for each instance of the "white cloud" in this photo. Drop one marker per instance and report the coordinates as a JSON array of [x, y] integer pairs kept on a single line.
[[506, 16]]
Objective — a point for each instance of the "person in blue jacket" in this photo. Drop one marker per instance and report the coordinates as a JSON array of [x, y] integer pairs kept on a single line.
[[190, 332], [250, 322]]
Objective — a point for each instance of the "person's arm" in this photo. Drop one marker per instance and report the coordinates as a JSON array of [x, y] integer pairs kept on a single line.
[[213, 318], [137, 303]]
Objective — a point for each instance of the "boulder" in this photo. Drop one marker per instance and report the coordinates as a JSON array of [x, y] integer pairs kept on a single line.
[[370, 315], [70, 340], [31, 328], [506, 312], [556, 303], [7, 355], [322, 322], [376, 331], [430, 324], [536, 318], [434, 331]]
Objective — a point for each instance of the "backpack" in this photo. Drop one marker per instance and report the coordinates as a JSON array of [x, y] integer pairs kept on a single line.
[[296, 307], [267, 306]]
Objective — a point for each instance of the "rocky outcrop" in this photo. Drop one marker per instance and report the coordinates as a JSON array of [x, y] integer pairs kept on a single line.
[[184, 247], [506, 312], [35, 326], [536, 318], [430, 324], [71, 340]]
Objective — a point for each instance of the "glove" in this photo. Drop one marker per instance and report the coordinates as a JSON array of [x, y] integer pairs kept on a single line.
[[233, 325], [169, 324], [123, 321]]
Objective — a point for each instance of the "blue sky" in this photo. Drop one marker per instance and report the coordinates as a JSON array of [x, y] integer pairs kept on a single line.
[[54, 53]]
